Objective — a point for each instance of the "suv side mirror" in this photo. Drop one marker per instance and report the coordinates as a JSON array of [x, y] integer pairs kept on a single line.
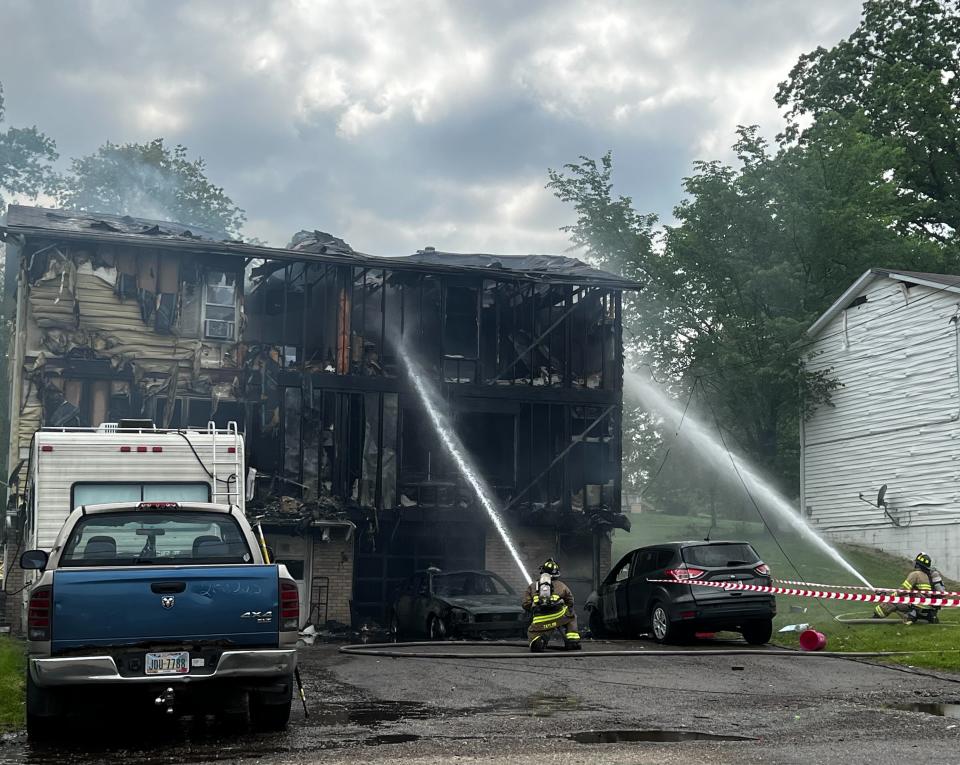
[[34, 560]]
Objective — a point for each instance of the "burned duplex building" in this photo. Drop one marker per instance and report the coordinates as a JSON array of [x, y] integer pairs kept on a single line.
[[121, 317]]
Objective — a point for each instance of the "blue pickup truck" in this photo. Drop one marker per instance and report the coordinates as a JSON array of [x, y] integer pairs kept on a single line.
[[162, 602]]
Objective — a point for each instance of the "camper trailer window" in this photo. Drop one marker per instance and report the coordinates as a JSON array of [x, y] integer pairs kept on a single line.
[[130, 538], [103, 493]]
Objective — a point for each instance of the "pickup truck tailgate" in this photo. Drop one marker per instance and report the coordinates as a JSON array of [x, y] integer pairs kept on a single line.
[[235, 604]]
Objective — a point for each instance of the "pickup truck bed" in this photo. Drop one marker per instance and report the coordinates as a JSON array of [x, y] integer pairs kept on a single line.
[[159, 595]]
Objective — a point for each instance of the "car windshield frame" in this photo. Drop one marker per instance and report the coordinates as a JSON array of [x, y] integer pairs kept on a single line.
[[148, 530], [507, 589], [734, 559]]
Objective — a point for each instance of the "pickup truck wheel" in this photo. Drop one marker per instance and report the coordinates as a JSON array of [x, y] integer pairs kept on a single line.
[[42, 712], [271, 710]]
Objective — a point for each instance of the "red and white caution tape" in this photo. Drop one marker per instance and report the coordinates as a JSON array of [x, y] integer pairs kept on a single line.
[[911, 600], [857, 587]]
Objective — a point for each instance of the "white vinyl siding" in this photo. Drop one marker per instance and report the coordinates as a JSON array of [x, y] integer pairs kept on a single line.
[[894, 421]]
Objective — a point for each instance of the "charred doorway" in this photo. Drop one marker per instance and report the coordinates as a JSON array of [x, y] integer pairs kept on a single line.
[[404, 547]]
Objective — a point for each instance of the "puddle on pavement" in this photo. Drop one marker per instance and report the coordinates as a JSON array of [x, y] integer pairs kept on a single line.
[[365, 715], [391, 738], [548, 704], [657, 736], [929, 708]]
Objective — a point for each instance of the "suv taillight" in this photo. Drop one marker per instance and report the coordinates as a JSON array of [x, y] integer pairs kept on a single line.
[[685, 573], [38, 613], [762, 570], [289, 606]]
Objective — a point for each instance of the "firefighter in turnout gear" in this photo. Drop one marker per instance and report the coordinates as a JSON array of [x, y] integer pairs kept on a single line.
[[923, 580], [550, 602]]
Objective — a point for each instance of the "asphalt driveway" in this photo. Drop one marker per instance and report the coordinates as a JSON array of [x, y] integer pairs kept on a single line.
[[657, 709]]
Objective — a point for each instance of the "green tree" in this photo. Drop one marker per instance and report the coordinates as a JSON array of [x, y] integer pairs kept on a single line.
[[26, 157], [900, 71], [150, 180], [760, 248]]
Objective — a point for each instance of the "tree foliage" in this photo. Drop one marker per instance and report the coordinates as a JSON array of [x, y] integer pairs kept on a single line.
[[761, 246], [150, 180], [26, 157], [900, 70]]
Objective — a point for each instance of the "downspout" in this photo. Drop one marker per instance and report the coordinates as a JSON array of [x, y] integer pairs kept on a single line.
[[803, 445], [15, 375]]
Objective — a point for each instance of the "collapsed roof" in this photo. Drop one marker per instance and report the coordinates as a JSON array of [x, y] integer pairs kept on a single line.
[[306, 245]]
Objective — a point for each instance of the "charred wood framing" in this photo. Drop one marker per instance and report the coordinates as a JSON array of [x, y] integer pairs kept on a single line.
[[120, 317]]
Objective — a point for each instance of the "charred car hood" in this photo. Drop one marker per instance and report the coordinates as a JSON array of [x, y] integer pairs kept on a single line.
[[485, 604]]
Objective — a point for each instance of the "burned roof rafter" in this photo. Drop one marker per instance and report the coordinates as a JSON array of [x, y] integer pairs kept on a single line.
[[56, 225]]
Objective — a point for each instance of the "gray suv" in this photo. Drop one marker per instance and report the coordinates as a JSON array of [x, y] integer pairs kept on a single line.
[[630, 601]]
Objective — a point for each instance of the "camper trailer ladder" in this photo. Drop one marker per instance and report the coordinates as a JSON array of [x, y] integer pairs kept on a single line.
[[226, 488]]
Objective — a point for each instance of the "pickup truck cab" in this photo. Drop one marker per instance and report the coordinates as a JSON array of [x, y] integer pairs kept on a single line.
[[171, 602]]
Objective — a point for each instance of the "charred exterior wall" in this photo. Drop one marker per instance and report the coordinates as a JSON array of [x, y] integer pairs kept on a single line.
[[300, 347], [531, 373]]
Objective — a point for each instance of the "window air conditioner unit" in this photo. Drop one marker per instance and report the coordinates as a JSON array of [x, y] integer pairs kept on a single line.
[[220, 330]]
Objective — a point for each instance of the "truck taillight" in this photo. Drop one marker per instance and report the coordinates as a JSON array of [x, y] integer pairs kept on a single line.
[[289, 606], [38, 613]]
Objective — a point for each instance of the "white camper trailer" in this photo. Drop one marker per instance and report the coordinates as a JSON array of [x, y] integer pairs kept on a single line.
[[126, 461]]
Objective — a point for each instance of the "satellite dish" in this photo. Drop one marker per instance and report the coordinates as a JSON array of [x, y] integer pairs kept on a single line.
[[880, 496]]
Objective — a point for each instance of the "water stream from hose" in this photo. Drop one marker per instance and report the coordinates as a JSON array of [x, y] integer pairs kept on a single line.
[[431, 403], [646, 393]]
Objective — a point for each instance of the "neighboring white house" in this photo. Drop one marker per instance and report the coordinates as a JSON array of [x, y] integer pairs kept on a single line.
[[893, 342]]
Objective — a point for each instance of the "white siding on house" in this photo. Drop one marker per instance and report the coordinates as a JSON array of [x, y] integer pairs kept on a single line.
[[894, 421]]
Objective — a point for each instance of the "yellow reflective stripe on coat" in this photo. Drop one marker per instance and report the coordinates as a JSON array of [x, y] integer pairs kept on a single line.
[[924, 587], [907, 585], [550, 617]]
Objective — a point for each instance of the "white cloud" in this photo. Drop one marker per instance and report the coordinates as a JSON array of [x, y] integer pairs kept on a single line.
[[399, 124]]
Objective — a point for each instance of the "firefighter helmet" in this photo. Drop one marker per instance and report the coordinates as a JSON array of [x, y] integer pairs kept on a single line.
[[550, 566], [923, 561]]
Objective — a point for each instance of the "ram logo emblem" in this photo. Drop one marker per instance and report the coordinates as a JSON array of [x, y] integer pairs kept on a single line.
[[167, 601]]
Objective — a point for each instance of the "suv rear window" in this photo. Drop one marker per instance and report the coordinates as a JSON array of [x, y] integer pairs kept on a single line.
[[159, 538], [720, 555]]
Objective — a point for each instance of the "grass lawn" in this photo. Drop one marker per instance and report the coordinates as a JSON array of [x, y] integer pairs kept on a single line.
[[12, 664], [800, 560]]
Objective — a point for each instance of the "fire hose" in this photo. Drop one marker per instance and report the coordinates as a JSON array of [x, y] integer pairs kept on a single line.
[[397, 651]]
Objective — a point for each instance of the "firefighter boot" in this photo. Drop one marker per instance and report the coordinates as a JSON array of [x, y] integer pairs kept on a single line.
[[538, 644], [571, 641]]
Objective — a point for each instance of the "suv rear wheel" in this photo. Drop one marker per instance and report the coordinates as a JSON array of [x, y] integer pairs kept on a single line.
[[660, 623], [758, 632]]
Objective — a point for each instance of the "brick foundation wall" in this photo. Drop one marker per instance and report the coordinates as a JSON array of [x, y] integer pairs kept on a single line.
[[535, 546], [334, 559]]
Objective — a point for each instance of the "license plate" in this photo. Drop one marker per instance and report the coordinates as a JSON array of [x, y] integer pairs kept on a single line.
[[168, 663]]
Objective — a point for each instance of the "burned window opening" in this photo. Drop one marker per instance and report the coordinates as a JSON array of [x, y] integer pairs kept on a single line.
[[220, 305]]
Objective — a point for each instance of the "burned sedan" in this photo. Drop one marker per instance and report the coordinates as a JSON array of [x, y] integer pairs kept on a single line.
[[445, 604]]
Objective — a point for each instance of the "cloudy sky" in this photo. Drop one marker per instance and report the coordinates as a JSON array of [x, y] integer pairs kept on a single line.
[[398, 125]]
